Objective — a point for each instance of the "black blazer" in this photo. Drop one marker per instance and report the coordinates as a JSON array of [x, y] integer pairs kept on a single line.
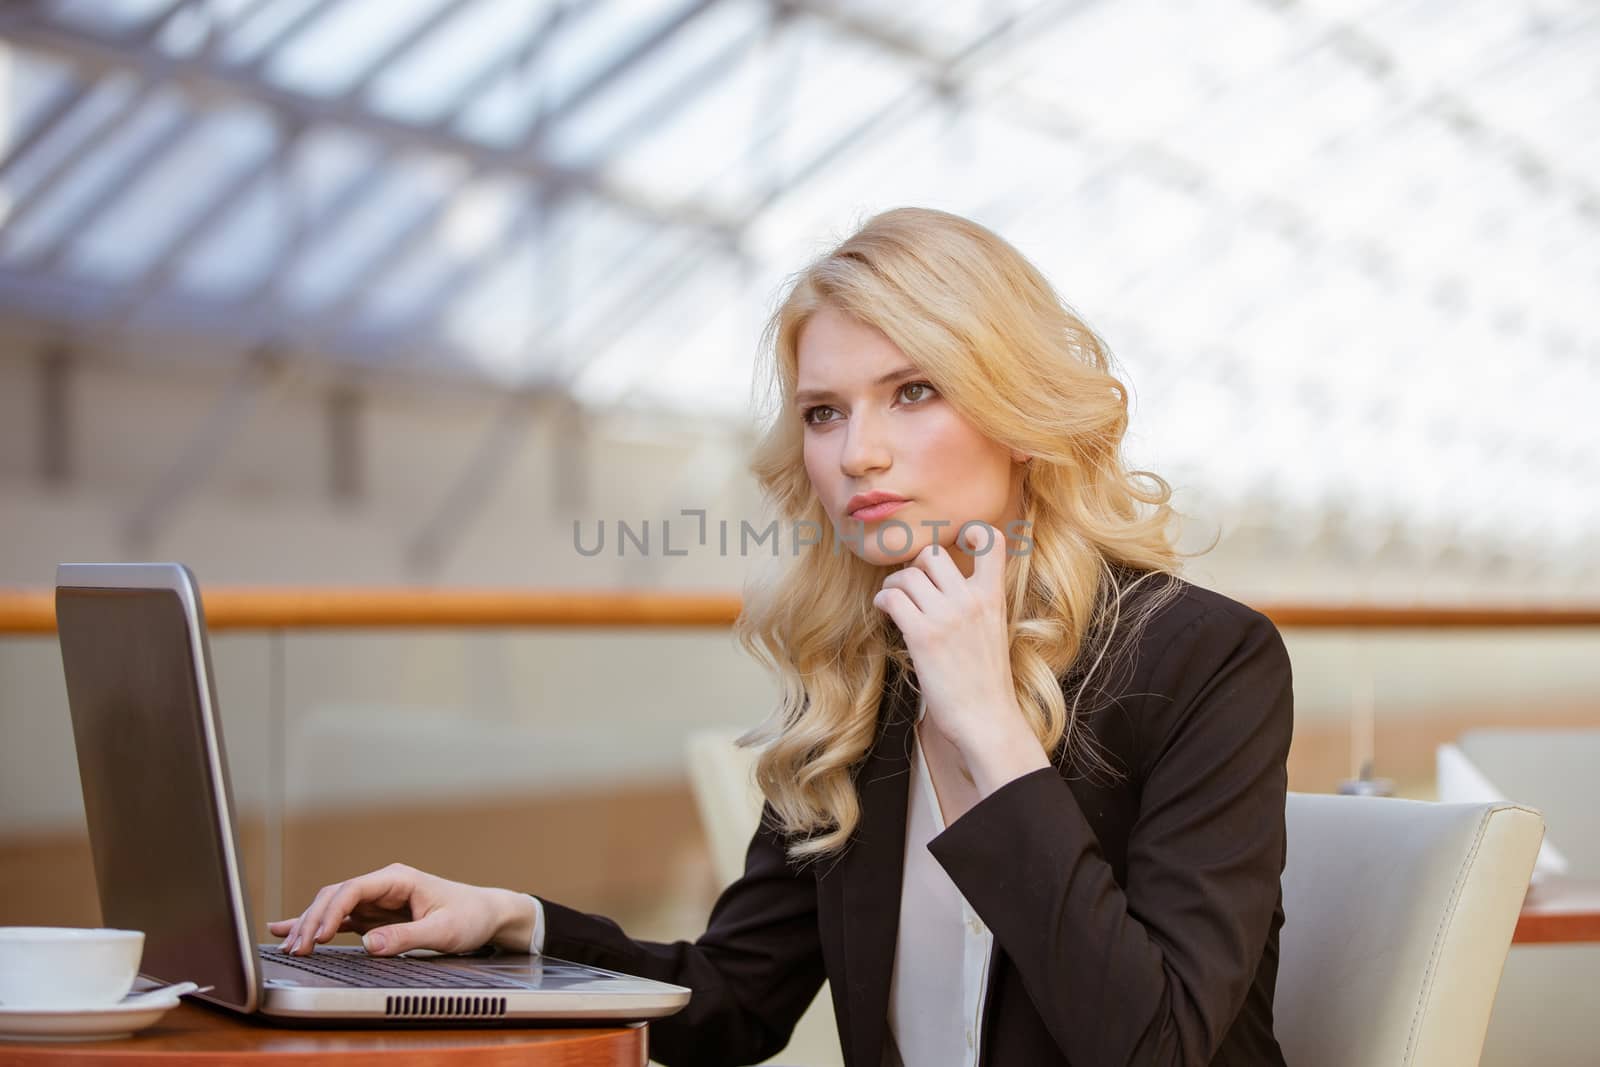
[[1135, 921]]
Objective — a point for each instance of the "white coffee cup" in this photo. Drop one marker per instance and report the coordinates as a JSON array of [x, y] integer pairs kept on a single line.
[[67, 967]]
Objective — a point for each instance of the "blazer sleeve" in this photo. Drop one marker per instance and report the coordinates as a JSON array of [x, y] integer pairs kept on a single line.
[[1154, 973], [753, 972]]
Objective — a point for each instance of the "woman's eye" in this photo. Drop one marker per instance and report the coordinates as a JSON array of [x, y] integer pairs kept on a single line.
[[822, 413]]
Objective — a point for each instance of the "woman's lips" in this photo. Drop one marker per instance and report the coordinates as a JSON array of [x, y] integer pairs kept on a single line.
[[874, 512]]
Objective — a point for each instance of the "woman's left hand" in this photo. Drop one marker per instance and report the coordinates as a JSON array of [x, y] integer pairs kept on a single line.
[[956, 632]]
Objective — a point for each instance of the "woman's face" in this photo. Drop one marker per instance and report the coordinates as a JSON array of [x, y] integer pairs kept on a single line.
[[873, 423]]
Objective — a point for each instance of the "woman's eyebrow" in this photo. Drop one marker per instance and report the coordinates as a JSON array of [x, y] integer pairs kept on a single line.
[[805, 396]]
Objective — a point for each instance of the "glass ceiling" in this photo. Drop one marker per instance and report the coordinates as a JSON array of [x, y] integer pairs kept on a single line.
[[1346, 251]]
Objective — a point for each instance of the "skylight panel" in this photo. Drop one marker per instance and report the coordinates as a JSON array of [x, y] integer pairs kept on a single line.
[[844, 81], [694, 354], [29, 85], [72, 137], [698, 60], [494, 325], [590, 46], [246, 38], [324, 57], [52, 219], [480, 214], [113, 15], [884, 168], [339, 256], [221, 147], [238, 251], [943, 27], [423, 85]]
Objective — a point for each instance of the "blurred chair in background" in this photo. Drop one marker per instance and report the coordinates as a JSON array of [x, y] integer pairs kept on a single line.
[[1548, 1009], [1399, 914]]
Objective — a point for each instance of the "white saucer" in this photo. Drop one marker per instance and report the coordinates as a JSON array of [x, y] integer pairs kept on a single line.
[[85, 1024]]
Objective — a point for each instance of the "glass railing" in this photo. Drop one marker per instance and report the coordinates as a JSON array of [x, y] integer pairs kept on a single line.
[[537, 740]]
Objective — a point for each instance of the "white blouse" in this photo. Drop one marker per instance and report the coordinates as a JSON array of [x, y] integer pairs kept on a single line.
[[941, 958], [942, 949]]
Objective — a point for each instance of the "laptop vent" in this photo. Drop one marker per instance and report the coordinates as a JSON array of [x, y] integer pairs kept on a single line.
[[459, 1007]]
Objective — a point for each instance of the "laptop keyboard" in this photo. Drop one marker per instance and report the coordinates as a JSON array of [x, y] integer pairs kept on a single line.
[[390, 972]]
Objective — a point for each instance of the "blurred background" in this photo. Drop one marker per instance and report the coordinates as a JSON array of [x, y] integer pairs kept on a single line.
[[413, 293]]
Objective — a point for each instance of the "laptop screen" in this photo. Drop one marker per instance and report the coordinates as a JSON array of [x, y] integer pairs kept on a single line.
[[148, 790]]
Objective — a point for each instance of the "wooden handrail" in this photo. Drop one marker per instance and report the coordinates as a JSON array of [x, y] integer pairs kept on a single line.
[[322, 608], [32, 611]]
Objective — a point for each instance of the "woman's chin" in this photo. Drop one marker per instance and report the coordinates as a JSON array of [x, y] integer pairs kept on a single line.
[[891, 555]]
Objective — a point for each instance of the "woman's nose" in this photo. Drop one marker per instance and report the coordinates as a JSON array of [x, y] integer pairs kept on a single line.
[[865, 448]]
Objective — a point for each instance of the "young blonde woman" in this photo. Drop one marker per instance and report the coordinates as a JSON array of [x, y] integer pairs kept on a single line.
[[1025, 786]]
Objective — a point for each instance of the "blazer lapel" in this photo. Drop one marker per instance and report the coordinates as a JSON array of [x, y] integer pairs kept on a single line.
[[870, 871]]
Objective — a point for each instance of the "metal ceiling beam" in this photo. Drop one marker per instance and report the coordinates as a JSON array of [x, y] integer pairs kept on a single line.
[[1375, 59], [206, 79], [627, 311], [152, 27], [951, 77], [389, 256], [941, 74], [160, 144], [459, 279], [49, 181], [61, 105], [142, 36], [695, 82], [286, 34], [519, 54], [853, 135], [659, 286], [196, 331], [189, 327], [248, 13], [142, 286], [72, 95], [653, 290], [468, 274], [669, 28], [420, 31], [1365, 52], [474, 487], [355, 191], [846, 20]]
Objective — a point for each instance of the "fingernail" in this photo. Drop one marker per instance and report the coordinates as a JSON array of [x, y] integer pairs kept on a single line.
[[374, 942]]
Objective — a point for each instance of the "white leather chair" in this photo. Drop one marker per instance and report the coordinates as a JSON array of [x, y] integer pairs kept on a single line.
[[723, 779], [1545, 1012], [1398, 917]]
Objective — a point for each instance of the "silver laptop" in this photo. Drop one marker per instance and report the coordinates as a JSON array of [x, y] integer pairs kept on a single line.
[[160, 814]]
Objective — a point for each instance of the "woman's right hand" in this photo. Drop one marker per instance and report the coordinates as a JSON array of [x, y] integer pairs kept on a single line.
[[399, 908]]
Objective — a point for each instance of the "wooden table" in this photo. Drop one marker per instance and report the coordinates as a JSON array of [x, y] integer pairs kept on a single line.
[[193, 1034], [1560, 910]]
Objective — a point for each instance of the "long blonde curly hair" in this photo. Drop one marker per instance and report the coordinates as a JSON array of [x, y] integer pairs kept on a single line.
[[995, 340]]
